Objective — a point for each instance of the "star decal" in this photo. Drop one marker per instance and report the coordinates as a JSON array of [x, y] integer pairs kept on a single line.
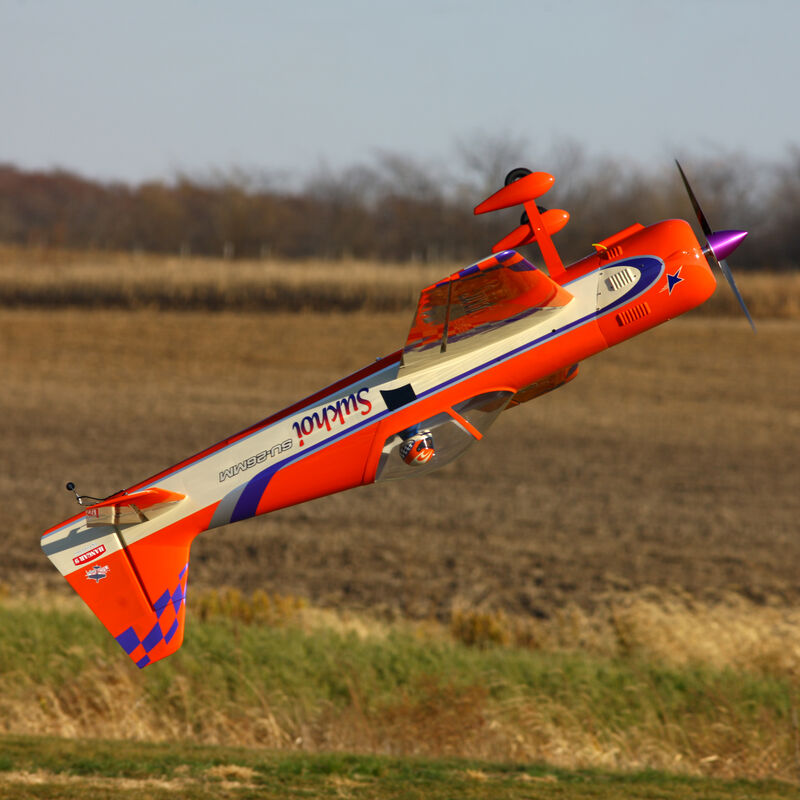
[[673, 280]]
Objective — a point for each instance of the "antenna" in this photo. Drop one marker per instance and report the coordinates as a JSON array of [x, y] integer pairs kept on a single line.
[[81, 497], [71, 488]]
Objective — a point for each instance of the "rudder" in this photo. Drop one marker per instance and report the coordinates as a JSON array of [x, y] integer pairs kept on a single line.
[[138, 591]]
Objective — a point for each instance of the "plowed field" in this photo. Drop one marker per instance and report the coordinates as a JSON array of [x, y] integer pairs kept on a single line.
[[671, 461]]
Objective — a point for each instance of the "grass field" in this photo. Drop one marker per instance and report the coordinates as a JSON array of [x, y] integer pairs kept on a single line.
[[608, 581], [31, 278], [601, 692]]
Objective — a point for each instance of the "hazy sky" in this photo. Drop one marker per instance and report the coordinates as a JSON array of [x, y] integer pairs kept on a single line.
[[144, 89]]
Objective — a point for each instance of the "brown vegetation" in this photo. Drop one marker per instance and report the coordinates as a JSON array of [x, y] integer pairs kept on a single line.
[[669, 462]]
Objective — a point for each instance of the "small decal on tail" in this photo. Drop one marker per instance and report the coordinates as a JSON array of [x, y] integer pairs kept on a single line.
[[97, 573]]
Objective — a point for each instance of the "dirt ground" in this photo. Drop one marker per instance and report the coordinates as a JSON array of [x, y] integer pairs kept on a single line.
[[670, 462]]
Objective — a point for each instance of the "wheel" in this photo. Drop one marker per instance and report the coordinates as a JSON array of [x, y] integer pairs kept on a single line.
[[523, 220], [516, 174]]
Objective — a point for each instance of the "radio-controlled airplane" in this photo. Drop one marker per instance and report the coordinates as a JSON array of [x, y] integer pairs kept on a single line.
[[491, 336]]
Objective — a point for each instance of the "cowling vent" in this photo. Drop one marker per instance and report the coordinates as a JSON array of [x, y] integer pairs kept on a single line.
[[620, 279], [632, 314]]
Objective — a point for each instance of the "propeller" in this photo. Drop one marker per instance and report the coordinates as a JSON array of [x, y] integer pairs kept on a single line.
[[719, 244]]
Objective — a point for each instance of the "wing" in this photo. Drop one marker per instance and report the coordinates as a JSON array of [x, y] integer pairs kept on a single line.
[[481, 303], [537, 224]]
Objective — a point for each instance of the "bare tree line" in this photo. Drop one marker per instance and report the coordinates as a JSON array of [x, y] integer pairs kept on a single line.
[[396, 208]]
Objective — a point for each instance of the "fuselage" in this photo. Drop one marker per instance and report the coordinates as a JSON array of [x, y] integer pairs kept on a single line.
[[346, 434], [333, 439]]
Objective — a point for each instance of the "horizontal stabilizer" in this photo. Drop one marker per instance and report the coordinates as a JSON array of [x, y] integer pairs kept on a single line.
[[129, 509]]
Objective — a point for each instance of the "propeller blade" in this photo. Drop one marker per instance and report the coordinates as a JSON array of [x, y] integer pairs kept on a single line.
[[719, 244], [701, 217], [726, 271]]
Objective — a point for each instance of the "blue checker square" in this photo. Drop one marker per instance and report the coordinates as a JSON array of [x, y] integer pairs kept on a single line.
[[138, 648], [128, 640], [153, 638]]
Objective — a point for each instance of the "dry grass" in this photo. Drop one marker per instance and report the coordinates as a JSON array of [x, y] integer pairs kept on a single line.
[[31, 278], [59, 279], [768, 295], [665, 627]]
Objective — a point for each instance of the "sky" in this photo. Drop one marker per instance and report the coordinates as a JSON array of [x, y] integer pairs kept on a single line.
[[145, 90]]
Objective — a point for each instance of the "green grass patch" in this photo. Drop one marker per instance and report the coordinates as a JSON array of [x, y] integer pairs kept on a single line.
[[57, 768]]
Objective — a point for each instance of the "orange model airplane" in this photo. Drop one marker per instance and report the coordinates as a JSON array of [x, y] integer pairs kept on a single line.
[[493, 335]]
